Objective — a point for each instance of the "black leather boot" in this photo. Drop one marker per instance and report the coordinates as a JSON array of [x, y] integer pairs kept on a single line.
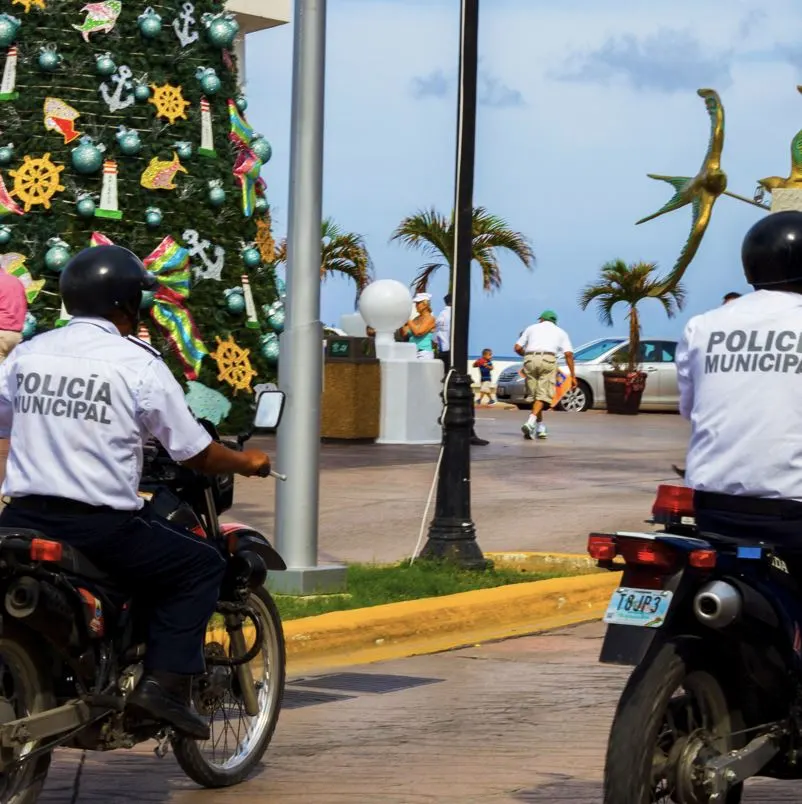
[[166, 697]]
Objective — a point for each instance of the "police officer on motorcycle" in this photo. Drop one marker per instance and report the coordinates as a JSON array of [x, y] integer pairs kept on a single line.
[[78, 403], [739, 370]]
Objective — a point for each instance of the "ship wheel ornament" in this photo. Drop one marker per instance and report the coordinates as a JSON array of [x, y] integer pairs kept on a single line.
[[233, 364], [36, 181], [169, 102]]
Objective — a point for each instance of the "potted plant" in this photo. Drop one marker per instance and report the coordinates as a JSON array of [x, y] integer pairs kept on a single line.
[[630, 285]]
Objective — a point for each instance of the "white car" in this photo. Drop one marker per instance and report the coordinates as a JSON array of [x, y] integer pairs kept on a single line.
[[592, 360]]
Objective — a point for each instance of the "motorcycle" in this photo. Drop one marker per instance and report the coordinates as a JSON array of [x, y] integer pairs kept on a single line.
[[72, 643], [712, 628]]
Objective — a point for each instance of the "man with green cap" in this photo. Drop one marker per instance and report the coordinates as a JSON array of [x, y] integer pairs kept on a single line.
[[539, 346]]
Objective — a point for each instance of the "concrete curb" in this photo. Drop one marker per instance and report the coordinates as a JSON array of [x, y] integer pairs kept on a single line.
[[397, 630]]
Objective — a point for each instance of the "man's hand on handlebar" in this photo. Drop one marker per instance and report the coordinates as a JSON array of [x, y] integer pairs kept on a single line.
[[258, 461], [217, 459]]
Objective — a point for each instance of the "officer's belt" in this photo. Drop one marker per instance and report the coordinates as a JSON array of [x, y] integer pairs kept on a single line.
[[544, 354], [758, 506], [45, 504]]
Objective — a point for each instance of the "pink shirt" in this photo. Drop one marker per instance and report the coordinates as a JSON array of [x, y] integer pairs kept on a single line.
[[13, 303]]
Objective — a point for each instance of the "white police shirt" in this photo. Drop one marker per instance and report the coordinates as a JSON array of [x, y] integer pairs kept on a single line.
[[545, 336], [443, 330], [78, 404], [740, 376]]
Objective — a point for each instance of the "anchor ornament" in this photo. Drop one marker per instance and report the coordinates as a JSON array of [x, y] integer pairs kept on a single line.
[[121, 80], [211, 269], [182, 31]]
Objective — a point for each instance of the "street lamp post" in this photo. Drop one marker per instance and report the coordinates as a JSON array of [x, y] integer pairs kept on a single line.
[[452, 534]]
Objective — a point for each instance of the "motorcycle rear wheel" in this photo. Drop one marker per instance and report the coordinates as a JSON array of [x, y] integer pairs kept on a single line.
[[212, 763], [651, 720]]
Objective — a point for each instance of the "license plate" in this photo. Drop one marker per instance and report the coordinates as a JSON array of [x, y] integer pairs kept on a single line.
[[646, 608]]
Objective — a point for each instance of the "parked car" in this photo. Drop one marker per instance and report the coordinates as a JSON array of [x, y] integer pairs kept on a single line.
[[592, 360]]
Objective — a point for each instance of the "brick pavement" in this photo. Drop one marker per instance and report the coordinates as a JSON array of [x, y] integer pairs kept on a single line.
[[521, 721]]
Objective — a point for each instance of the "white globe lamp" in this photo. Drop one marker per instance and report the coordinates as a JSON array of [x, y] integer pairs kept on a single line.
[[385, 306]]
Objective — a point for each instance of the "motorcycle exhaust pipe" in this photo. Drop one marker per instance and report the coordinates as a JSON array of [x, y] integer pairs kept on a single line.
[[718, 604], [43, 608]]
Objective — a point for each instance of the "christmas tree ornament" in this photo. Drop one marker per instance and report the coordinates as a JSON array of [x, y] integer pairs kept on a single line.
[[99, 239], [148, 298], [241, 132], [128, 141], [235, 300], [6, 153], [29, 327], [153, 217], [8, 206], [28, 4], [63, 317], [281, 288], [242, 103], [210, 83], [100, 17], [233, 364], [264, 240], [217, 195], [109, 207], [160, 174], [57, 255], [262, 148], [207, 136], [150, 23], [169, 102], [122, 84], [141, 93], [169, 263], [85, 206], [87, 158], [250, 307], [183, 148], [48, 58], [14, 264], [183, 24], [246, 172], [36, 181], [142, 333], [209, 267], [5, 235], [269, 347], [8, 84], [104, 64], [8, 29], [221, 29], [60, 117], [276, 317], [206, 403], [251, 258], [261, 206]]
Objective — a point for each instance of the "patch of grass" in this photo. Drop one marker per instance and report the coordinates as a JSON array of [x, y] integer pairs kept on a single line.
[[373, 585]]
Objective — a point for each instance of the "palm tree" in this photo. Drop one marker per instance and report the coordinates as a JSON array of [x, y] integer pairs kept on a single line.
[[343, 253], [630, 284], [431, 232]]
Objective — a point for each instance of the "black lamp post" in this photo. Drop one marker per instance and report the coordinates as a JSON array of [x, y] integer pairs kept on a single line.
[[452, 534]]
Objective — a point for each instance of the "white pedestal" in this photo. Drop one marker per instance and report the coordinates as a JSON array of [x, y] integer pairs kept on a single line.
[[786, 200], [411, 401]]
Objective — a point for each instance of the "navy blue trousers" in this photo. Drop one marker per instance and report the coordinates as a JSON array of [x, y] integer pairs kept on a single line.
[[172, 573]]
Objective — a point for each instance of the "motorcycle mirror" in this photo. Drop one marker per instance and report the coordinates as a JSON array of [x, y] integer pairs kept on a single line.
[[269, 410]]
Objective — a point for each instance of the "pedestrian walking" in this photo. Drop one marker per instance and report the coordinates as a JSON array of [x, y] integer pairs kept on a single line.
[[13, 308], [485, 366], [539, 346], [443, 332]]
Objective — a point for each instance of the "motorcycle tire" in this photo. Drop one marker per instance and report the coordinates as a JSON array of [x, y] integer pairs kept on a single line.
[[640, 716], [22, 661], [190, 753]]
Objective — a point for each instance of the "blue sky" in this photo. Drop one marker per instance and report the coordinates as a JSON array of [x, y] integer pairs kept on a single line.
[[578, 102]]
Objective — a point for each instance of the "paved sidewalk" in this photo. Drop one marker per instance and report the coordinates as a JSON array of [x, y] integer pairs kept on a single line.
[[594, 472], [523, 721]]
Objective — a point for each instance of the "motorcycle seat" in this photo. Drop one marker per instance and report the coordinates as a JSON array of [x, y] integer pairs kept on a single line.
[[71, 561]]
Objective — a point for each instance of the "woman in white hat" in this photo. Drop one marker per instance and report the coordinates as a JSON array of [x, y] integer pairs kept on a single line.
[[420, 330]]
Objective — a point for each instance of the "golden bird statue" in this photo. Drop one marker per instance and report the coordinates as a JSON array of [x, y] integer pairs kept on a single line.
[[701, 190], [794, 180]]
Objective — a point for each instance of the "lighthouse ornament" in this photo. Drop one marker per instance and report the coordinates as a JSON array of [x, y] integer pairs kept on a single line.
[[143, 333], [108, 195], [63, 316], [207, 138], [250, 307], [8, 91]]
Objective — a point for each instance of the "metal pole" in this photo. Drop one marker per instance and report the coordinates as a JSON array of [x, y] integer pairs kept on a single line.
[[301, 361], [452, 534]]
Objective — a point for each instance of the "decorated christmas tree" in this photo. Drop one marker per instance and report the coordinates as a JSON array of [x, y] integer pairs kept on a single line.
[[124, 123]]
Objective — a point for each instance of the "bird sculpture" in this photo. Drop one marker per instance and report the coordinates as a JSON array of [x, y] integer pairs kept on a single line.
[[794, 180], [700, 191]]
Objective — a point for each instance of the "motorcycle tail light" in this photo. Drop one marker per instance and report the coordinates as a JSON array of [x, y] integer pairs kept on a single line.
[[647, 553], [601, 546], [45, 550], [673, 500], [703, 559]]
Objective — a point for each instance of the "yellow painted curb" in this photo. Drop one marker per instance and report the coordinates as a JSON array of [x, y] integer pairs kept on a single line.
[[534, 562], [430, 625]]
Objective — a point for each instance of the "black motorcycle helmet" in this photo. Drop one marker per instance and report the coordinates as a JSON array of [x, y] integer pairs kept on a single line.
[[101, 279], [772, 250]]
